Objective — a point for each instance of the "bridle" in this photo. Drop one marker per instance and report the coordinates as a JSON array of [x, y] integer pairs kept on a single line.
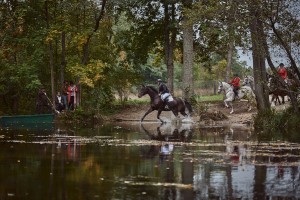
[[220, 87]]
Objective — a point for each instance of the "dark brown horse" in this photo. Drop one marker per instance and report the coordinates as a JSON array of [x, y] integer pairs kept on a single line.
[[176, 106], [277, 88]]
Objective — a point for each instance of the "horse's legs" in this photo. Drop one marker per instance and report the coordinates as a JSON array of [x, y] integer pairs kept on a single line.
[[275, 99], [230, 103], [174, 108], [175, 112], [249, 105], [148, 111], [183, 113], [282, 97], [225, 102], [158, 114]]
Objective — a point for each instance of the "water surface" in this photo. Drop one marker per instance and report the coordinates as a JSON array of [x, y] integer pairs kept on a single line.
[[146, 161]]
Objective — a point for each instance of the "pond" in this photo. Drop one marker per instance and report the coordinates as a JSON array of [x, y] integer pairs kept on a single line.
[[146, 161]]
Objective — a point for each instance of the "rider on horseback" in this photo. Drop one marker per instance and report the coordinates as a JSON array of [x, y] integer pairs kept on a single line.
[[235, 82], [282, 72], [164, 92]]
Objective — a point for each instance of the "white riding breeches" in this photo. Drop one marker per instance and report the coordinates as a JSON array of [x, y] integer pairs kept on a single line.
[[166, 96]]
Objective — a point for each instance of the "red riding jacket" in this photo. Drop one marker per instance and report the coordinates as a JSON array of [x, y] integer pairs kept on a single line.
[[282, 72], [235, 82]]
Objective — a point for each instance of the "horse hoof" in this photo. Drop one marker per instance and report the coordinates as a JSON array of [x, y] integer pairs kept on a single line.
[[231, 112]]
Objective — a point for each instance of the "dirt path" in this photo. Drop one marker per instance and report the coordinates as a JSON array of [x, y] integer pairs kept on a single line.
[[240, 117]]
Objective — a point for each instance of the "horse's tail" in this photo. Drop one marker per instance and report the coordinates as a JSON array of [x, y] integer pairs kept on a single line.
[[188, 106]]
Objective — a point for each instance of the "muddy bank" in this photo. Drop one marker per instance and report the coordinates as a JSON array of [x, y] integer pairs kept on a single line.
[[217, 114]]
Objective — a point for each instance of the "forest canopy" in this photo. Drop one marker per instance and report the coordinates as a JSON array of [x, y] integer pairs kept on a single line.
[[110, 47]]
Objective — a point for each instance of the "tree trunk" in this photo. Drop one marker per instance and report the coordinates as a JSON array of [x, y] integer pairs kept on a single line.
[[51, 57], [63, 58], [52, 73], [259, 68], [170, 37], [230, 29], [229, 58], [188, 56]]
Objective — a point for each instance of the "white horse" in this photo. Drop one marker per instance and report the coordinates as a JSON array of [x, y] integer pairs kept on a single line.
[[245, 92], [249, 81]]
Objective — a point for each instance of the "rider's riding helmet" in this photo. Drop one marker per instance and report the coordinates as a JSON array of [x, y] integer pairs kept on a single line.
[[236, 74], [159, 80]]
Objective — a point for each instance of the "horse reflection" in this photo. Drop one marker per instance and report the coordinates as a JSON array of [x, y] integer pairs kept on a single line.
[[170, 132], [167, 133]]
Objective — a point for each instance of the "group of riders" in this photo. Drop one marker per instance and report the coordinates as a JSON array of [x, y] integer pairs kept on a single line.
[[235, 82], [165, 95]]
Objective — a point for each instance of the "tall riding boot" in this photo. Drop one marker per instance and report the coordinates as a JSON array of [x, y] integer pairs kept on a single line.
[[236, 97]]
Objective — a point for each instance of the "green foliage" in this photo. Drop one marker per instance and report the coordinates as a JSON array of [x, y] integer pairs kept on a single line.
[[211, 98], [200, 107], [98, 99], [127, 46], [267, 120], [272, 125], [80, 117]]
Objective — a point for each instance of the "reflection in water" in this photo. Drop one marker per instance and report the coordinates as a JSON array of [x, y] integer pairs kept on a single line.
[[147, 161], [169, 132]]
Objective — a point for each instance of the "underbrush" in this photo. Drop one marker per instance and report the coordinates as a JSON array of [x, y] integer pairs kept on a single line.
[[201, 107], [270, 124], [80, 116], [86, 116]]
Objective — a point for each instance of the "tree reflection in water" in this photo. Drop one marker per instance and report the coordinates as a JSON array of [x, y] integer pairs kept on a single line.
[[148, 161]]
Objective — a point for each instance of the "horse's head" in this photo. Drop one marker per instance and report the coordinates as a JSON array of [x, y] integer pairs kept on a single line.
[[246, 81], [220, 87], [224, 86], [269, 81], [143, 91], [150, 90]]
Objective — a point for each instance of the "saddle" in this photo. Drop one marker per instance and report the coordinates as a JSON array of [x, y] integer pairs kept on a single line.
[[168, 100]]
